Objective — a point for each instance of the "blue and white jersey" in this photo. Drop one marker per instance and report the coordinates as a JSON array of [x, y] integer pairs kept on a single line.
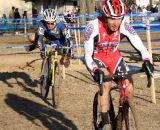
[[56, 34]]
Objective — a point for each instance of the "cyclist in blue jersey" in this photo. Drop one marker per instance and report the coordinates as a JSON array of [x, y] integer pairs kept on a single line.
[[54, 29]]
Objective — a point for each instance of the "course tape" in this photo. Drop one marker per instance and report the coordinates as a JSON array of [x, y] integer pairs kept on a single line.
[[95, 14], [74, 46], [133, 50], [27, 46], [14, 47]]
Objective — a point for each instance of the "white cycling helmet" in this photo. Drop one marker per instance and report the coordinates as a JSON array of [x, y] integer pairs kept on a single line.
[[50, 15]]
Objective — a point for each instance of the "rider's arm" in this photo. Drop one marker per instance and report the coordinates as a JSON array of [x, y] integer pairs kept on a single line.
[[41, 33], [90, 33], [134, 39], [40, 38]]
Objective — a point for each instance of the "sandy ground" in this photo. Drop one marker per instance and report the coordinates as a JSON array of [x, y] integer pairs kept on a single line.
[[22, 108]]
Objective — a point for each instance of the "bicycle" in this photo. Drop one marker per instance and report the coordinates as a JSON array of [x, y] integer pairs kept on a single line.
[[125, 117], [51, 72]]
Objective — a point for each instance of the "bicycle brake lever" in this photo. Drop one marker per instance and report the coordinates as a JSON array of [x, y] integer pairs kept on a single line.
[[149, 81], [149, 78], [101, 79], [150, 73]]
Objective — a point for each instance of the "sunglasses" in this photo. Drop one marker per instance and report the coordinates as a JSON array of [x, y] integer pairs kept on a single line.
[[48, 23]]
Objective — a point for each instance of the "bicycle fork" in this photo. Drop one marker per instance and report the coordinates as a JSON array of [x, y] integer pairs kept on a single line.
[[123, 108]]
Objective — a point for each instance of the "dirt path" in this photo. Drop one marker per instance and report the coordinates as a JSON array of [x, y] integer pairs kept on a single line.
[[22, 108]]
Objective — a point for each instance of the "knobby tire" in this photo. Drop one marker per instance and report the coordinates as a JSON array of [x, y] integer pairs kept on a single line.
[[127, 118], [57, 84], [45, 79], [97, 116]]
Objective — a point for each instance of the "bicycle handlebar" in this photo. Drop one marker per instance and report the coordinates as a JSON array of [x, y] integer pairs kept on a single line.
[[120, 77], [53, 44]]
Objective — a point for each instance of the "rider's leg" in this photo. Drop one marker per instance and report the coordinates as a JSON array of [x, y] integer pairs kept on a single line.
[[104, 104], [104, 99], [129, 88]]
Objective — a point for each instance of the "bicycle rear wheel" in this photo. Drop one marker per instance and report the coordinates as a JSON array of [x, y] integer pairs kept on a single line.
[[45, 79], [57, 84], [97, 116], [126, 119]]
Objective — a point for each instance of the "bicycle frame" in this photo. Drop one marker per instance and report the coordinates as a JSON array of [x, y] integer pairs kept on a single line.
[[123, 94], [54, 60], [53, 53], [124, 103], [49, 54], [48, 70]]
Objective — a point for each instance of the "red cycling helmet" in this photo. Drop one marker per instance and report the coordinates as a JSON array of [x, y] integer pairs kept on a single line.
[[113, 8]]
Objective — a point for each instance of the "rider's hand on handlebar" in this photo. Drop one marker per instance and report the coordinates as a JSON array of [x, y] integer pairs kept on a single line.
[[97, 74], [148, 68]]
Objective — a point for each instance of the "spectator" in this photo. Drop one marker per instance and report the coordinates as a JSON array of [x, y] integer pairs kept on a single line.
[[4, 19], [74, 12], [75, 8], [11, 13], [155, 9], [148, 8], [35, 15], [144, 10], [131, 8], [139, 9], [17, 15], [68, 17], [96, 8], [158, 7], [24, 15], [152, 9]]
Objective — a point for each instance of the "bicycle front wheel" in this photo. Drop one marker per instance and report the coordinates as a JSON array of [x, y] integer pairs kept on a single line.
[[57, 84], [97, 116], [127, 118], [45, 79], [96, 113]]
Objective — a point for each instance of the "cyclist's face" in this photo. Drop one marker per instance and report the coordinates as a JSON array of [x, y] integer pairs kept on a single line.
[[113, 24], [50, 25]]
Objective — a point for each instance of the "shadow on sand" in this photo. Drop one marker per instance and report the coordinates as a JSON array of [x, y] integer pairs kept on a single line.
[[50, 118]]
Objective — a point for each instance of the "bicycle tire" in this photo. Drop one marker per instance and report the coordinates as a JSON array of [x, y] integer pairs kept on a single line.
[[127, 118], [45, 79], [133, 117], [97, 116], [112, 114], [57, 84]]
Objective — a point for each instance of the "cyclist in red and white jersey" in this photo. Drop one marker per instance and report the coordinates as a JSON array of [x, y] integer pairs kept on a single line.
[[102, 37]]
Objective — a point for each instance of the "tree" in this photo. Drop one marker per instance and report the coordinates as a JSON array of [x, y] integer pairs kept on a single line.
[[82, 4], [90, 6], [129, 2], [150, 1]]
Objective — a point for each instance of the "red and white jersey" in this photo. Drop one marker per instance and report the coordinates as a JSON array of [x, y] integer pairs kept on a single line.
[[97, 34]]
